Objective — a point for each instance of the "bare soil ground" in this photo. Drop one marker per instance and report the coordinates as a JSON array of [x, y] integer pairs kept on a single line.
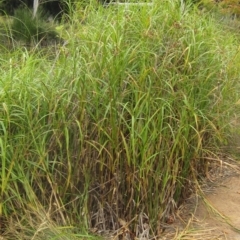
[[214, 212], [224, 216]]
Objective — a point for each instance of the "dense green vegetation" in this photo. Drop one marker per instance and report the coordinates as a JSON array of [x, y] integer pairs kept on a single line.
[[113, 125], [25, 27]]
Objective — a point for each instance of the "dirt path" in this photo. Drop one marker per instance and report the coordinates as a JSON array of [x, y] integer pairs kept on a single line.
[[220, 210], [216, 214]]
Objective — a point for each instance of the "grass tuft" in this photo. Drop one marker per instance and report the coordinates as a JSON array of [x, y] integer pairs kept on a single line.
[[30, 29], [108, 130]]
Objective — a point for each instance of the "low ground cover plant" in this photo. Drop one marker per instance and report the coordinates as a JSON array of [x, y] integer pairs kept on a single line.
[[31, 29], [111, 129]]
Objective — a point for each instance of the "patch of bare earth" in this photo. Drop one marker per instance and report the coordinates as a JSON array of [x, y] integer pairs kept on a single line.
[[214, 212]]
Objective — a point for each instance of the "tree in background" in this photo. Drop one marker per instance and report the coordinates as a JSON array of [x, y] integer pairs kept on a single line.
[[35, 7]]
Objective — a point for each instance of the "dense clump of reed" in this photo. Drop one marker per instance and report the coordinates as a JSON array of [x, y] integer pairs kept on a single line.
[[112, 130]]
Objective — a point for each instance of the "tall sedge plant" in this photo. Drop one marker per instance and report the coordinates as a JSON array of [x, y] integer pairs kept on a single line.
[[108, 131]]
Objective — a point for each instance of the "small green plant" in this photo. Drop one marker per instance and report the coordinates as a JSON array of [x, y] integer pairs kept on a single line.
[[28, 28]]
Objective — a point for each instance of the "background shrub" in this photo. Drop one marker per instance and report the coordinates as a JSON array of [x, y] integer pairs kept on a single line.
[[25, 27]]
